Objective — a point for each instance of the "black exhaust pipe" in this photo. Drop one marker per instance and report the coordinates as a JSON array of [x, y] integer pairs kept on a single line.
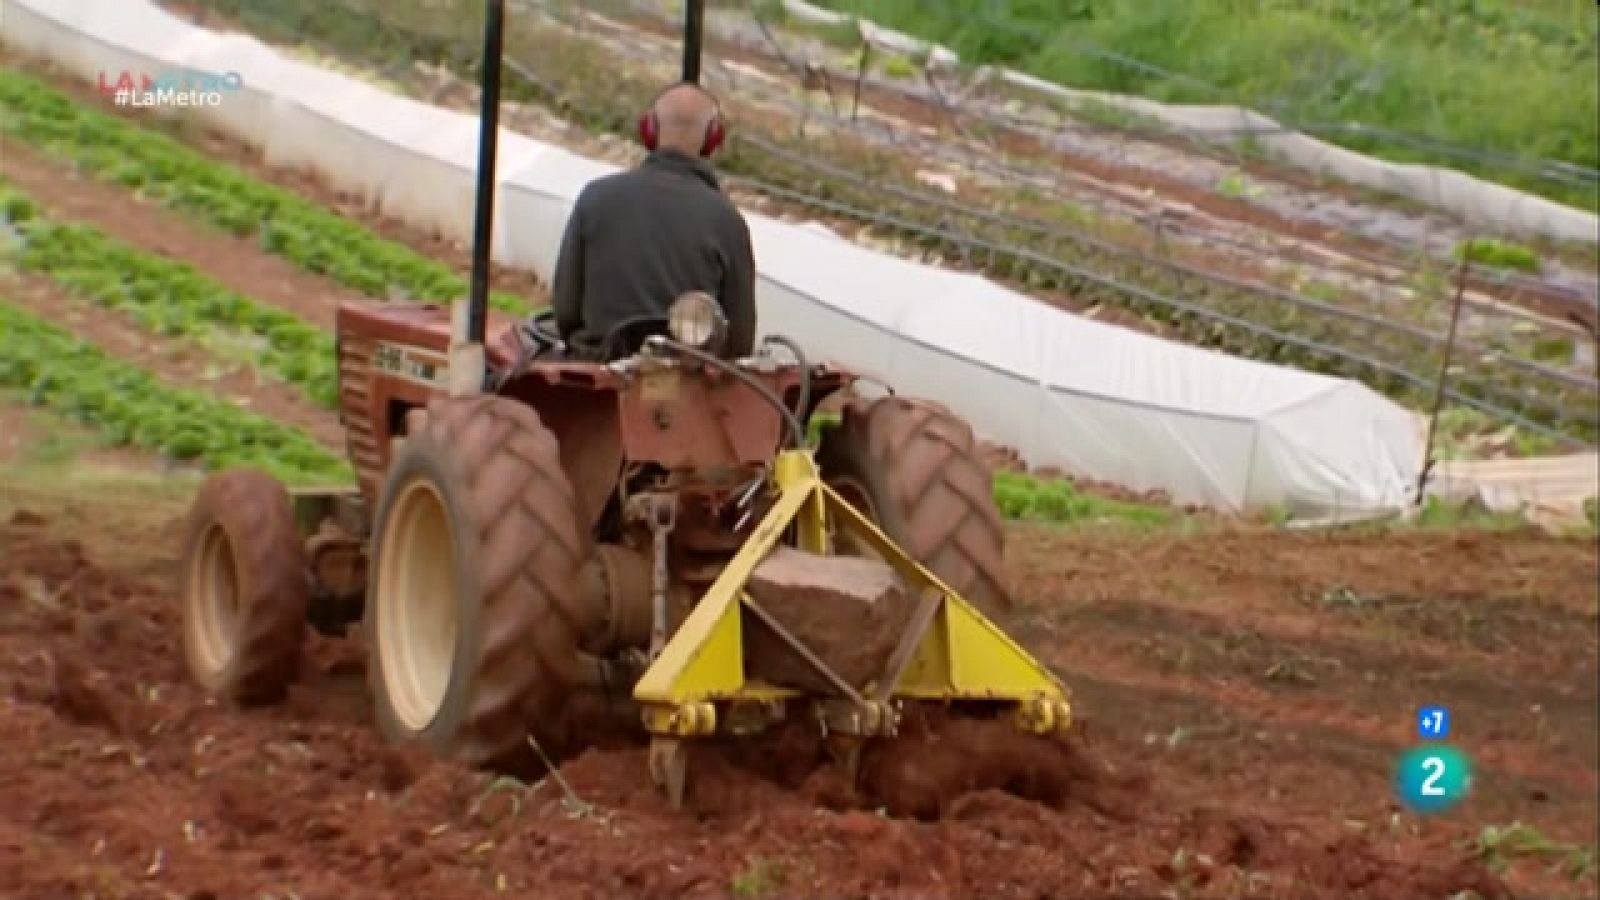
[[488, 140]]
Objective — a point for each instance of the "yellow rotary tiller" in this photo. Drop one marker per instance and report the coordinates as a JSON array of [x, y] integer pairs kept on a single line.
[[700, 683]]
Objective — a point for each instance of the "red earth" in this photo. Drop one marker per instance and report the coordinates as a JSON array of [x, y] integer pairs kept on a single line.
[[1241, 694]]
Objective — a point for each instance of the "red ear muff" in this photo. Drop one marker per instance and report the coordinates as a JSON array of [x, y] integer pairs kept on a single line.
[[650, 127], [715, 135], [649, 130]]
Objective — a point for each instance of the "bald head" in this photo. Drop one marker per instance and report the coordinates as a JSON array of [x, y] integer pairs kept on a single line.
[[684, 112]]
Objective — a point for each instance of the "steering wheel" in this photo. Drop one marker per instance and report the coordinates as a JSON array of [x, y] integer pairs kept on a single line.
[[543, 327], [626, 337]]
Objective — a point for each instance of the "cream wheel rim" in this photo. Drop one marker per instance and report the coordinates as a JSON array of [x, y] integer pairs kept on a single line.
[[416, 599], [213, 602]]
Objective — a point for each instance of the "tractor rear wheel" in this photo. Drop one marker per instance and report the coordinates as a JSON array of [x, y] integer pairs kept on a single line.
[[244, 588], [475, 581], [913, 468]]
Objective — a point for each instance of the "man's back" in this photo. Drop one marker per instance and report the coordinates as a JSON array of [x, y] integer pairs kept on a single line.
[[639, 238]]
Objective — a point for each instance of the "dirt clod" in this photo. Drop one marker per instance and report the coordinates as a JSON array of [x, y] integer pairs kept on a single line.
[[80, 701], [849, 611], [938, 760]]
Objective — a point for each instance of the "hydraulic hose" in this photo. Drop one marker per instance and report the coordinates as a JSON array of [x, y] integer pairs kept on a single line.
[[803, 402]]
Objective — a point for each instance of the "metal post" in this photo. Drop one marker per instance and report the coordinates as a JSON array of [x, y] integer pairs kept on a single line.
[[694, 26], [488, 138], [1444, 374]]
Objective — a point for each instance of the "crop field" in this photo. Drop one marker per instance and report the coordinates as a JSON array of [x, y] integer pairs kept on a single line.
[[1495, 76], [1242, 691]]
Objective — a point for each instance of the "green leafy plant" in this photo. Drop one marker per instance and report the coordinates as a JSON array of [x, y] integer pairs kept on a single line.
[[131, 407], [1555, 349], [1022, 496], [171, 298], [216, 194], [1439, 514], [1499, 846], [1497, 254], [1236, 186], [899, 67], [761, 878], [1277, 515], [1459, 426], [819, 423], [1025, 497]]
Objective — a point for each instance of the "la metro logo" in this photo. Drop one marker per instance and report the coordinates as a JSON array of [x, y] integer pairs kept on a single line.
[[180, 80], [125, 82]]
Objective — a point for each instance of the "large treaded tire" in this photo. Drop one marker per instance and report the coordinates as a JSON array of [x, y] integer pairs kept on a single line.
[[244, 588], [917, 467], [511, 520]]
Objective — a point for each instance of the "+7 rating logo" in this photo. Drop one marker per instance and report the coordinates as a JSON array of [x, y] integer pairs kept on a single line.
[[1433, 723]]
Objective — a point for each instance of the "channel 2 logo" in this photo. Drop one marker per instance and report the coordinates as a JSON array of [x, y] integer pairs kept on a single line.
[[1433, 777]]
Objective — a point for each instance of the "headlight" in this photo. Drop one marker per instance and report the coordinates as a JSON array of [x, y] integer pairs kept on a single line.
[[696, 319]]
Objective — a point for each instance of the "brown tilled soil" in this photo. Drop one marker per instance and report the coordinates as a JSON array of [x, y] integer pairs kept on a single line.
[[1196, 770]]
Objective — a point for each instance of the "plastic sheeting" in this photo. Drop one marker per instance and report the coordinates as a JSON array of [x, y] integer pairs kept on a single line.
[[1090, 398]]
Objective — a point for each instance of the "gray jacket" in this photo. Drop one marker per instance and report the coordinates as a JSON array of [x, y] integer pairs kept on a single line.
[[637, 239]]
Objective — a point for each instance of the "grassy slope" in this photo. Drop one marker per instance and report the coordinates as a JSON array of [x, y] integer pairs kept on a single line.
[[1495, 75]]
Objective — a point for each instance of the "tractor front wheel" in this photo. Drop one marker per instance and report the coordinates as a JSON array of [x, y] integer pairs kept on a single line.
[[475, 577], [244, 588], [913, 468]]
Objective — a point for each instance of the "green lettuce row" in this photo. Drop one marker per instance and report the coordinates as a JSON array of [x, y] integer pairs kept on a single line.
[[1024, 497], [131, 407], [173, 299], [1020, 496], [216, 194]]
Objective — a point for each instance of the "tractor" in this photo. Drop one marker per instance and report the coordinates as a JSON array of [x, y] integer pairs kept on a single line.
[[661, 523]]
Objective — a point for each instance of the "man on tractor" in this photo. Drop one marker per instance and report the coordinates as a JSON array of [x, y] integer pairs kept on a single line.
[[638, 239]]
